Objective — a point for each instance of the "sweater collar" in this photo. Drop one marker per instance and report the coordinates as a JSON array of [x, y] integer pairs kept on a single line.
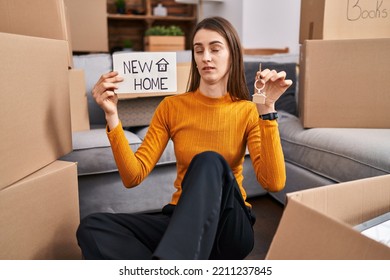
[[210, 100]]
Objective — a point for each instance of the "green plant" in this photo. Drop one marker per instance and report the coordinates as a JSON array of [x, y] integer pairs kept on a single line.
[[160, 30], [120, 6], [127, 43], [120, 3]]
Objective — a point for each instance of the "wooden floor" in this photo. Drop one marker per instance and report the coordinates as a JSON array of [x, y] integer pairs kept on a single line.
[[268, 213]]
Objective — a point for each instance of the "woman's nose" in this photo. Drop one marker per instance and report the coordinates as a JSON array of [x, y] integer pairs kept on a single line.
[[206, 56]]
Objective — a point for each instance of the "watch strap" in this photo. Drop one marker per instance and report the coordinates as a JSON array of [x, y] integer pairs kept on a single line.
[[269, 116]]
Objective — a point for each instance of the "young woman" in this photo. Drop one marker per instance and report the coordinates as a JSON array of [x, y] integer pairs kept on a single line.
[[210, 125]]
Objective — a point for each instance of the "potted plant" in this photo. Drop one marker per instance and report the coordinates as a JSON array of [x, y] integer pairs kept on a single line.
[[120, 6], [128, 45], [162, 38]]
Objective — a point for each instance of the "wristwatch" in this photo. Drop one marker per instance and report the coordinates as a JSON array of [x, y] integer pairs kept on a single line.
[[270, 116]]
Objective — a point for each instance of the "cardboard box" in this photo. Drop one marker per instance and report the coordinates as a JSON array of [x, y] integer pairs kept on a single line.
[[39, 215], [38, 18], [164, 43], [318, 223], [183, 73], [344, 19], [35, 110], [344, 83], [88, 25], [78, 100]]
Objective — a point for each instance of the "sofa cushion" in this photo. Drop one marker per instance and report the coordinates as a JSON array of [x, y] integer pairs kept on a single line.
[[168, 156], [92, 151], [339, 154], [97, 138]]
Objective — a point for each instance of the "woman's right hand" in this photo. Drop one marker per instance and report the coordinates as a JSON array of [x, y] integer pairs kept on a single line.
[[106, 98]]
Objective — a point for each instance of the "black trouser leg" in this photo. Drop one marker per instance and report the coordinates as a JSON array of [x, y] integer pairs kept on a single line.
[[121, 236], [210, 219], [235, 237]]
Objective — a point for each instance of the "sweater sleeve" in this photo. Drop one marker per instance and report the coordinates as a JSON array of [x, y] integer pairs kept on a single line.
[[133, 167], [266, 152]]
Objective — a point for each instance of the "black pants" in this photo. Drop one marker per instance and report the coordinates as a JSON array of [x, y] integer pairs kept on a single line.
[[210, 221]]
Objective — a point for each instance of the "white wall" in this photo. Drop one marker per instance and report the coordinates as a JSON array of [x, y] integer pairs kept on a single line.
[[229, 9], [261, 23]]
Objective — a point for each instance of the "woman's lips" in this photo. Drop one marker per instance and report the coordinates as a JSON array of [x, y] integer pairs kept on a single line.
[[208, 68]]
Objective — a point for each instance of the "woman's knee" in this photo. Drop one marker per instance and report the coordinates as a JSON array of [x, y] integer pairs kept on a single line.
[[208, 156], [209, 160], [90, 223]]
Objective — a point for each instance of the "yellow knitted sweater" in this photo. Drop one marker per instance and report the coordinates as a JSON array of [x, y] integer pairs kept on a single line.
[[197, 123]]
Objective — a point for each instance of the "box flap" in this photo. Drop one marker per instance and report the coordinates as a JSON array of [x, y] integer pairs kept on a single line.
[[350, 202], [305, 234]]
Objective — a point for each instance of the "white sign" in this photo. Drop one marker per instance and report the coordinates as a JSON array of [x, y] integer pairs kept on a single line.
[[146, 72]]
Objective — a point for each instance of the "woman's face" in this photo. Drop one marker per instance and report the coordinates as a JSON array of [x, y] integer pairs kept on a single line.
[[212, 57]]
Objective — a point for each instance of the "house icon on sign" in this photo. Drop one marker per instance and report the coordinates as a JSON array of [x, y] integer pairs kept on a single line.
[[162, 65]]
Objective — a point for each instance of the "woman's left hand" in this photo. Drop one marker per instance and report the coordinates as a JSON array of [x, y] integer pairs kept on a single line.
[[275, 85]]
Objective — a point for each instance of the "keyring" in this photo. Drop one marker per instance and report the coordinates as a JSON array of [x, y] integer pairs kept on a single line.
[[258, 89], [259, 96]]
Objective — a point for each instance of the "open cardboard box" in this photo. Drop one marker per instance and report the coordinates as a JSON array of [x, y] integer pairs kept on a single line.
[[318, 223]]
